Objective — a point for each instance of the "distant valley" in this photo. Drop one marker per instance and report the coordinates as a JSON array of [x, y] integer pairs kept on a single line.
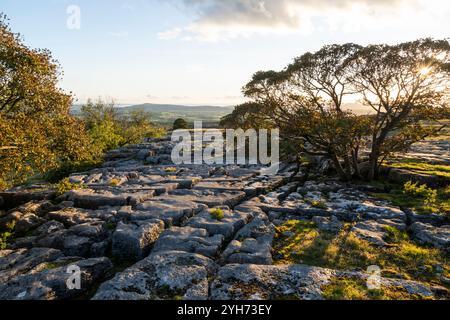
[[168, 113]]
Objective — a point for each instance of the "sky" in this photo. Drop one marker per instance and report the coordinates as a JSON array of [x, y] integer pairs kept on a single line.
[[201, 52]]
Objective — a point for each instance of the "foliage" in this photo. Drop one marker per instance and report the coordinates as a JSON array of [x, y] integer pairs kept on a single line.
[[422, 191], [37, 133], [114, 182], [319, 204], [217, 214], [65, 186], [108, 130], [6, 235], [180, 124], [404, 85]]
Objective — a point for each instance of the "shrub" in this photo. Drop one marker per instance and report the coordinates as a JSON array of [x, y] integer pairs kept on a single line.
[[429, 195], [65, 186], [114, 182], [180, 124], [319, 204], [5, 236]]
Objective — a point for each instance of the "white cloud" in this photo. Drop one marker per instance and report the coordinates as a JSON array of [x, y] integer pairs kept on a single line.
[[214, 20]]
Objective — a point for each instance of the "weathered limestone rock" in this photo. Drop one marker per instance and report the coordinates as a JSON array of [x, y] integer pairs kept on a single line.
[[244, 282], [253, 243], [258, 282], [220, 185], [28, 222], [375, 231], [132, 242], [427, 234], [14, 199], [166, 275], [72, 216], [189, 239], [77, 240], [51, 284], [14, 263], [328, 224], [209, 198], [172, 211], [89, 199]]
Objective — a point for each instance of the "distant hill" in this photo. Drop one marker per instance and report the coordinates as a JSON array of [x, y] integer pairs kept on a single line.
[[168, 113]]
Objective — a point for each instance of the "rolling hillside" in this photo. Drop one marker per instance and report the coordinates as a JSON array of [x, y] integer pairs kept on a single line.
[[167, 113]]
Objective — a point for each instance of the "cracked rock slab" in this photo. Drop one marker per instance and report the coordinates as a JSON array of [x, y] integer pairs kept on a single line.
[[436, 236], [171, 211], [258, 282], [227, 226], [133, 241], [161, 276], [189, 239], [375, 231], [52, 284], [17, 262]]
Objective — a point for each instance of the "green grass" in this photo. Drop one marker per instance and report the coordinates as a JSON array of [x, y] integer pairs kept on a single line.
[[401, 259], [422, 167], [395, 235], [356, 289], [7, 235], [420, 198]]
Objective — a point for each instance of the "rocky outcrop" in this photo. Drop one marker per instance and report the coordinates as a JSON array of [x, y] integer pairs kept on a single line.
[[430, 235], [189, 231]]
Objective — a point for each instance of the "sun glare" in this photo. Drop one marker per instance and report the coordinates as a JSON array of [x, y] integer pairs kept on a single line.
[[425, 71]]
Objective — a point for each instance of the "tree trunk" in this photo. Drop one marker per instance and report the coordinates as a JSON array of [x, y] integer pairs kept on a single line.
[[356, 164], [339, 168]]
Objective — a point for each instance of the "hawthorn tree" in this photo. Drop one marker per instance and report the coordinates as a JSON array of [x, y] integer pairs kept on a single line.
[[404, 85]]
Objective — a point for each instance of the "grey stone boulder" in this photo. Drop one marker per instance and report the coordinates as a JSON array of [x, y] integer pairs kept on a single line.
[[52, 284], [133, 241], [427, 234], [374, 231], [48, 228], [371, 210], [90, 199], [253, 243], [328, 224], [28, 222], [189, 239], [249, 251], [166, 275], [228, 226], [72, 216], [261, 282], [78, 240], [13, 199], [293, 282], [210, 198], [172, 211], [17, 262]]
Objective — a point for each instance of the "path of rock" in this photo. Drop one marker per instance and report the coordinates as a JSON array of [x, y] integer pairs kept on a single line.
[[145, 229]]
